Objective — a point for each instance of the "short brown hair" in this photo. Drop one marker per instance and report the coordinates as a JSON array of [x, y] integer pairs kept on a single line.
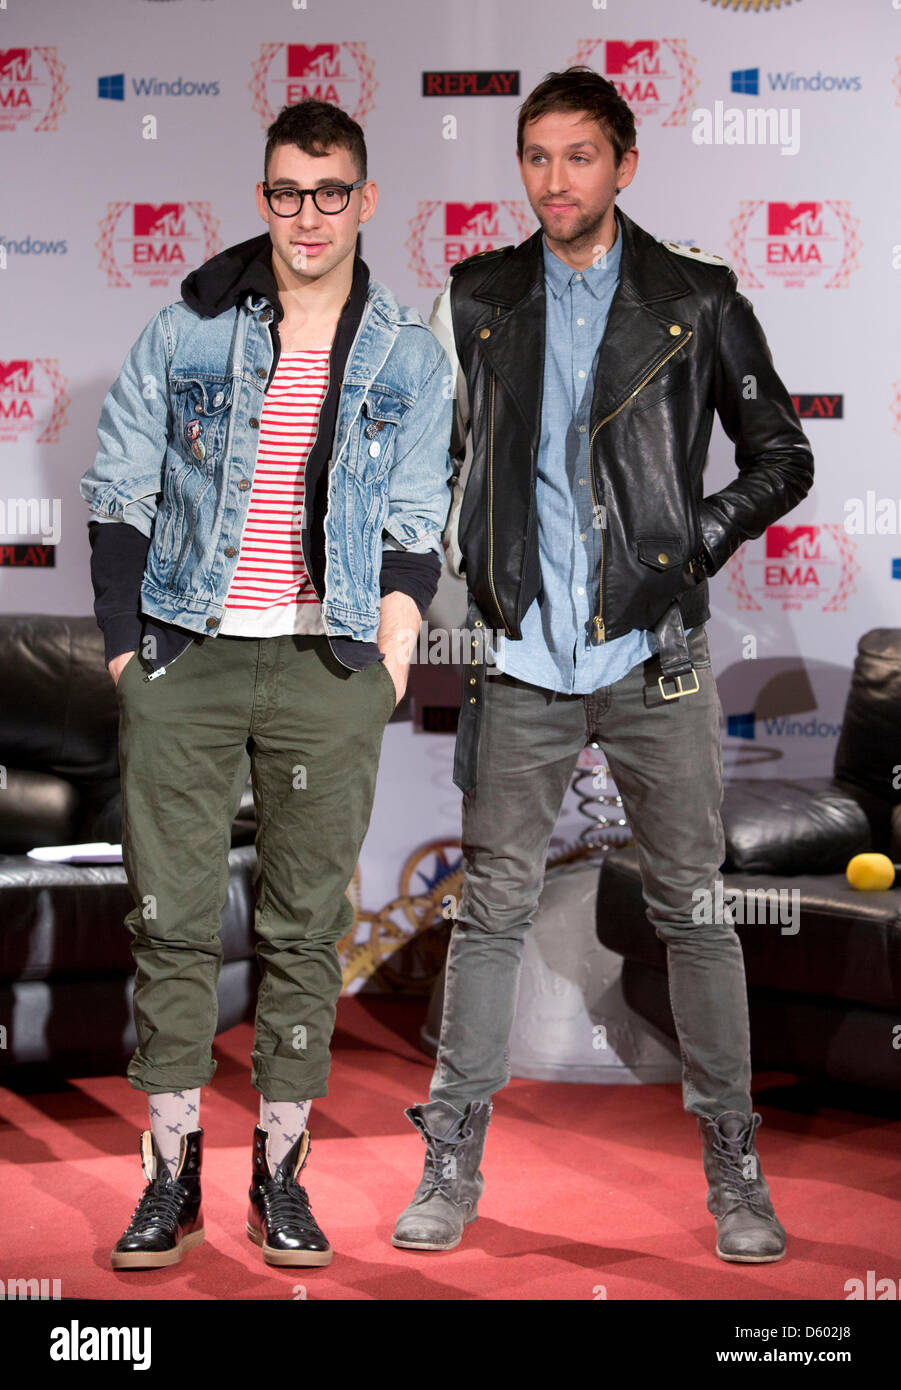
[[316, 127], [581, 89]]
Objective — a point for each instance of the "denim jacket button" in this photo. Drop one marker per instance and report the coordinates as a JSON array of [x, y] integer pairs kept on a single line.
[[212, 622], [375, 449], [244, 485], [218, 398], [261, 371], [230, 551], [253, 422]]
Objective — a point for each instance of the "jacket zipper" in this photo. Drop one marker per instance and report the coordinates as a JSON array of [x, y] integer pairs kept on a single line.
[[163, 669], [497, 605], [598, 630]]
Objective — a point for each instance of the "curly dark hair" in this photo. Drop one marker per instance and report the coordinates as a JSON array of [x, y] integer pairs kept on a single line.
[[316, 127], [581, 89]]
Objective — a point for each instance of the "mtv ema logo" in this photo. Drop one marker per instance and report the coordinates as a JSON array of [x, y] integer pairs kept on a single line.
[[443, 233], [155, 243], [33, 400], [753, 4], [655, 76], [286, 73], [794, 244], [31, 88], [799, 567]]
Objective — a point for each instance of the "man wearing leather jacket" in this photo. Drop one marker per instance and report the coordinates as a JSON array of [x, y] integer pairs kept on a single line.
[[589, 362], [266, 511]]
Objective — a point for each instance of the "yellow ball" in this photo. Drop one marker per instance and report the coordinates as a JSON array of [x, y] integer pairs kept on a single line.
[[871, 872]]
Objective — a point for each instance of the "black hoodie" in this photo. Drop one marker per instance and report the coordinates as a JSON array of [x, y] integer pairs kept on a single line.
[[119, 550]]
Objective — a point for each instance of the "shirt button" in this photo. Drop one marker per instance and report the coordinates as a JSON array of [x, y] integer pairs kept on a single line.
[[230, 550], [580, 322], [244, 485], [578, 277], [253, 422], [580, 373], [582, 429], [261, 371], [582, 537], [580, 591], [581, 482]]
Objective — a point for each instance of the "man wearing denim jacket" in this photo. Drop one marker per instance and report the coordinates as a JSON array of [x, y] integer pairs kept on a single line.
[[267, 507]]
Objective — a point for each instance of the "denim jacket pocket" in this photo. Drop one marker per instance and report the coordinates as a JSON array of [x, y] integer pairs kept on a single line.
[[380, 416], [201, 417]]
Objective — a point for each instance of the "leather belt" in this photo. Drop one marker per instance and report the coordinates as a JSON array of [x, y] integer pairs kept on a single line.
[[675, 658]]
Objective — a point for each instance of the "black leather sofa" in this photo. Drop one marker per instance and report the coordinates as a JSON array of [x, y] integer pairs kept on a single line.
[[825, 999], [65, 964]]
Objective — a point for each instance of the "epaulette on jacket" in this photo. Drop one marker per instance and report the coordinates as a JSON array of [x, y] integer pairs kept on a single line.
[[694, 253], [480, 255]]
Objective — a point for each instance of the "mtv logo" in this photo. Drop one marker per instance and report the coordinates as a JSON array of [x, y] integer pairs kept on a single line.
[[313, 60], [793, 543], [16, 375], [165, 219], [795, 219], [470, 219], [639, 58], [15, 64]]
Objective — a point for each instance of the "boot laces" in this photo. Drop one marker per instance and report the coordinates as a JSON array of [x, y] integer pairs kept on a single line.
[[730, 1158], [435, 1173], [160, 1205], [287, 1206]]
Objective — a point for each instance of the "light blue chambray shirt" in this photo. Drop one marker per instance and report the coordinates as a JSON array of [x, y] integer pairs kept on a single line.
[[556, 651]]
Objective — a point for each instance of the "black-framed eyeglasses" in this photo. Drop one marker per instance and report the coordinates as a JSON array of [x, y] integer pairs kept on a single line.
[[329, 198]]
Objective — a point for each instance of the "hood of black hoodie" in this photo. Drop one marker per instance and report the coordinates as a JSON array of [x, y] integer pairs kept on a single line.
[[228, 278]]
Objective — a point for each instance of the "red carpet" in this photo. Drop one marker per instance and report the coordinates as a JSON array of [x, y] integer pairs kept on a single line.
[[586, 1186]]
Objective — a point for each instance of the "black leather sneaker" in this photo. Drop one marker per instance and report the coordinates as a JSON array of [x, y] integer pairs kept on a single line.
[[168, 1219], [279, 1218]]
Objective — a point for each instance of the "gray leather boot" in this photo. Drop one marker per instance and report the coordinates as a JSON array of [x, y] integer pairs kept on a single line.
[[447, 1198], [738, 1196]]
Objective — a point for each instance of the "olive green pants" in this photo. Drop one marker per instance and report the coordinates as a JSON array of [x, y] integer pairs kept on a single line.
[[309, 731]]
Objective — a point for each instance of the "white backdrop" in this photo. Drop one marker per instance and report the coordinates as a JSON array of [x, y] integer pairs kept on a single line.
[[99, 223]]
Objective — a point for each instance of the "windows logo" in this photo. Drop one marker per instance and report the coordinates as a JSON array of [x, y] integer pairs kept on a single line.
[[746, 80], [741, 725], [112, 88]]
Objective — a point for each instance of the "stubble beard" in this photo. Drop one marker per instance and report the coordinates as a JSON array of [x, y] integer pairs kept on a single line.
[[583, 235]]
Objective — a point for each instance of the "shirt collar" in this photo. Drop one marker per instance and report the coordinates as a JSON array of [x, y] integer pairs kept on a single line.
[[596, 278]]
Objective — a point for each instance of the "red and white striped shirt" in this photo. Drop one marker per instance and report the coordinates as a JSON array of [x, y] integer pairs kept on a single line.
[[271, 592]]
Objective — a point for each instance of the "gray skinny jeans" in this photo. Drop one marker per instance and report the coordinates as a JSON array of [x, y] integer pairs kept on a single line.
[[666, 761]]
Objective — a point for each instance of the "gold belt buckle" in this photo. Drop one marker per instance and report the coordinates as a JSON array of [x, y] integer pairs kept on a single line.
[[678, 680]]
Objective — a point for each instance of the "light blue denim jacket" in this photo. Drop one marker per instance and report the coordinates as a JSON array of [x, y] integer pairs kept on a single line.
[[183, 366]]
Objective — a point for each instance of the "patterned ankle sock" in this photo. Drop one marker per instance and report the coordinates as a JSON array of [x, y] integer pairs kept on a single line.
[[284, 1121], [173, 1114]]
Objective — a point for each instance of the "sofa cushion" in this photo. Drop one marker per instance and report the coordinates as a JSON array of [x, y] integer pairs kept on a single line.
[[847, 946], [66, 921], [869, 747], [776, 827]]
